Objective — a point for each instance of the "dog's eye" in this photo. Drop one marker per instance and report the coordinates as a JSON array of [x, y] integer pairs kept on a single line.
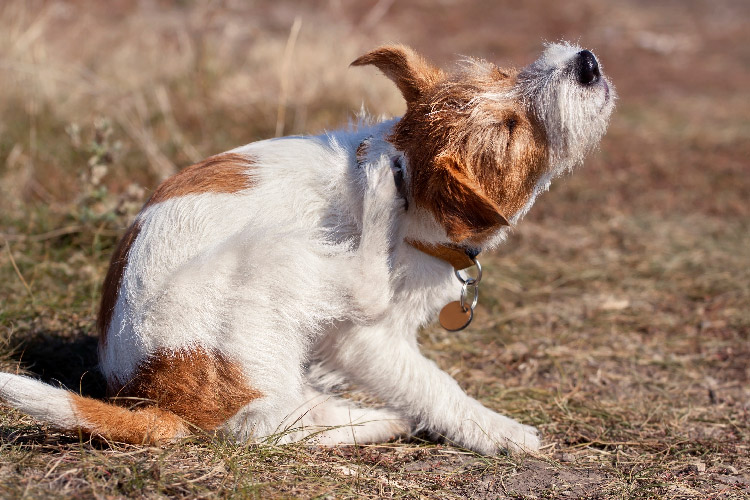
[[511, 124]]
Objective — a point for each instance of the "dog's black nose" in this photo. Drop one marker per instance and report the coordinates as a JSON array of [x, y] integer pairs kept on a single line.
[[588, 68]]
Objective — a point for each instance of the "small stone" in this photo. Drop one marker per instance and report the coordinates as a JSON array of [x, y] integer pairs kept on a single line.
[[695, 467], [567, 457], [724, 469]]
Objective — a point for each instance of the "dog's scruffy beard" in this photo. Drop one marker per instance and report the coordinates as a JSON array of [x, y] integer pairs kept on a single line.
[[575, 116]]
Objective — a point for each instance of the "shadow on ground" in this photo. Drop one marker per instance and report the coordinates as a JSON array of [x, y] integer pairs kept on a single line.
[[69, 360]]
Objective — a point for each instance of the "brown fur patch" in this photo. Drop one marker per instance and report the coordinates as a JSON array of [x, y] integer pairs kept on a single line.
[[112, 281], [471, 158], [475, 153], [203, 388], [223, 173], [458, 202], [141, 426]]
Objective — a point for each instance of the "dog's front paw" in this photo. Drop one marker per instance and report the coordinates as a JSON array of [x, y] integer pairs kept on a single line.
[[520, 438], [500, 433]]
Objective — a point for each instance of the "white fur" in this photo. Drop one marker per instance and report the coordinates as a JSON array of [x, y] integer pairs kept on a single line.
[[38, 399], [305, 280], [574, 116]]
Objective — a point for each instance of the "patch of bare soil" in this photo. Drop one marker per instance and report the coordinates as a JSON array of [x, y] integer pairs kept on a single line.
[[538, 479]]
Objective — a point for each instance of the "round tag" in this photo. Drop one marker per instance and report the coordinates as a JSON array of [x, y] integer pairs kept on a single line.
[[453, 317]]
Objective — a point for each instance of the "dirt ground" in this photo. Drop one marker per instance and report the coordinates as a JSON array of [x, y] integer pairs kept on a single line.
[[616, 319]]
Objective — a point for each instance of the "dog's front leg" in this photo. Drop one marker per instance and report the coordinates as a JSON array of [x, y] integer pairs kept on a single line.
[[392, 367]]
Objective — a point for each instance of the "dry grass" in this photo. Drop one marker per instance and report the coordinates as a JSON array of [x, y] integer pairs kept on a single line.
[[617, 319]]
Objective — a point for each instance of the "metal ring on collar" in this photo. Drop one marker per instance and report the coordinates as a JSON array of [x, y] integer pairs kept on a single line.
[[469, 279], [474, 301]]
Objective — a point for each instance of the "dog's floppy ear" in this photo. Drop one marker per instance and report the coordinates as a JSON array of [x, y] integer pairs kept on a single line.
[[408, 70], [459, 204]]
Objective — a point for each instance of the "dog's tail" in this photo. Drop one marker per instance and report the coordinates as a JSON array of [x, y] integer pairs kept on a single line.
[[66, 410]]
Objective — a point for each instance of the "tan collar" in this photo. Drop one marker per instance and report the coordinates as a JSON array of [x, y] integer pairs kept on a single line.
[[455, 255]]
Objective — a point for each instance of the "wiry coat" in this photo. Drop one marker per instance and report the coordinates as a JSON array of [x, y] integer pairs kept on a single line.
[[253, 283]]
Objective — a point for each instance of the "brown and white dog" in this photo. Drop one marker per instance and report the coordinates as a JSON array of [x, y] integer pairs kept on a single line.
[[254, 283]]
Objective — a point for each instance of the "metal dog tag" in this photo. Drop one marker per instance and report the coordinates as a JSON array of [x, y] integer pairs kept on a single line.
[[454, 317]]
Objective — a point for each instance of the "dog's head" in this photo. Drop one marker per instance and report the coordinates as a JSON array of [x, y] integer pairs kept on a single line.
[[481, 142]]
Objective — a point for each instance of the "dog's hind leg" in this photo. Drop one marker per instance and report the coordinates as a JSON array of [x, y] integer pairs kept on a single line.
[[333, 420], [318, 419], [371, 270]]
